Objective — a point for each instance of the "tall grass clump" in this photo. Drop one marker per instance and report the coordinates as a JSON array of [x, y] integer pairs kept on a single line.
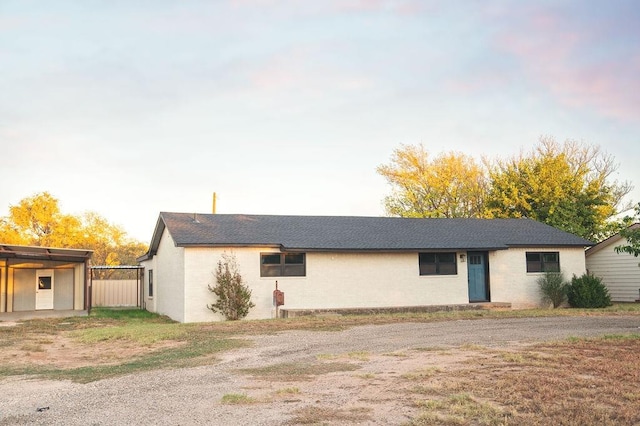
[[553, 287]]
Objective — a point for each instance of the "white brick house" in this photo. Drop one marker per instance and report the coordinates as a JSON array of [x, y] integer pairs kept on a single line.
[[329, 262]]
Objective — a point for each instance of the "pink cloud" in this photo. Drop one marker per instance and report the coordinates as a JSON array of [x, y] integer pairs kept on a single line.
[[305, 70], [399, 7], [572, 61], [26, 22], [333, 7]]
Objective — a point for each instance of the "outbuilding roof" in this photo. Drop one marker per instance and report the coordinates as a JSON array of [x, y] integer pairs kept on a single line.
[[617, 238], [8, 251], [349, 233]]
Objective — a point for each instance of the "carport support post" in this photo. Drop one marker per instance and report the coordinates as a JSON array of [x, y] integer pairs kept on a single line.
[[89, 297]]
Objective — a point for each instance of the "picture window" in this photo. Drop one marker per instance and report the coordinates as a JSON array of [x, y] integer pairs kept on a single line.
[[438, 263], [282, 265], [548, 261]]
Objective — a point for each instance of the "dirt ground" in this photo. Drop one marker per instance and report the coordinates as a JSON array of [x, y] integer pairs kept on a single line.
[[363, 375]]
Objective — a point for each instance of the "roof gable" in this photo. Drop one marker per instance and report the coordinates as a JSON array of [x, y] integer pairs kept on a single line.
[[348, 233], [617, 238]]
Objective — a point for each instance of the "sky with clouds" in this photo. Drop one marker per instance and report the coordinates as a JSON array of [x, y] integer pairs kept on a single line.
[[130, 108]]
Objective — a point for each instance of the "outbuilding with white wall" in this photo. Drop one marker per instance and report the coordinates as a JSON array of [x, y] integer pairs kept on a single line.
[[43, 281], [620, 272]]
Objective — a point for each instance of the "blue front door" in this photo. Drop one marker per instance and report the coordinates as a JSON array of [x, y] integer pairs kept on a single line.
[[477, 268]]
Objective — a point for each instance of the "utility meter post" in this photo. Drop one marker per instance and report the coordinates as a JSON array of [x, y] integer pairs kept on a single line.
[[278, 299]]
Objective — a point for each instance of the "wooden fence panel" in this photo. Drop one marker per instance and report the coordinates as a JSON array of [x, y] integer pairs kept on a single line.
[[114, 293]]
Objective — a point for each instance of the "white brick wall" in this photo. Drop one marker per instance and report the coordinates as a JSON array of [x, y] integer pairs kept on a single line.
[[333, 280], [168, 280], [340, 280], [510, 281]]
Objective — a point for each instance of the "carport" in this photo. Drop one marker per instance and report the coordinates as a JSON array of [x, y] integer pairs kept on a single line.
[[43, 281]]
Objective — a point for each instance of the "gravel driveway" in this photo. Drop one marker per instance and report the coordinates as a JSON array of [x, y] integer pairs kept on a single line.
[[193, 396]]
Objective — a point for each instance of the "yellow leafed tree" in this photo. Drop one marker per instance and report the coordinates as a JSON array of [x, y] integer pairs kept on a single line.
[[38, 221], [568, 186], [448, 185]]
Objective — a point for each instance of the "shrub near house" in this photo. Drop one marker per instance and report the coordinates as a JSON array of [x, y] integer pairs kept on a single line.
[[588, 291]]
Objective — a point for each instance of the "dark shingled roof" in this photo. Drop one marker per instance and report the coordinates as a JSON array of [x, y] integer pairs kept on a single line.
[[347, 233]]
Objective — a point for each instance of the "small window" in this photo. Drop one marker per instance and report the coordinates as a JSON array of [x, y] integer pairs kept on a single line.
[[282, 265], [44, 283], [438, 264], [150, 282], [543, 261]]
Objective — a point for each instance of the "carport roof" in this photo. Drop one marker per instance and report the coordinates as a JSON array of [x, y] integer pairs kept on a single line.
[[44, 253]]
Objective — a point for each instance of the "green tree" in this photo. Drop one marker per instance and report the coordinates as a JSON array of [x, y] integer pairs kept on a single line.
[[632, 235], [38, 221], [233, 296], [448, 185], [568, 186]]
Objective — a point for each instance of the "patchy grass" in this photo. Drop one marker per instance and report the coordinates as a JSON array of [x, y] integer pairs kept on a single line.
[[288, 391], [145, 341], [314, 415], [193, 353], [422, 373], [458, 409], [141, 333], [396, 354], [572, 382], [512, 357], [184, 344], [237, 399], [366, 376], [359, 355], [125, 314], [32, 347], [292, 372], [356, 355]]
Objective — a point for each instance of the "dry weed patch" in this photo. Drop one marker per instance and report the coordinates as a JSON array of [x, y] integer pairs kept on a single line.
[[288, 391], [292, 372], [237, 398], [422, 374], [457, 409], [576, 382], [314, 415]]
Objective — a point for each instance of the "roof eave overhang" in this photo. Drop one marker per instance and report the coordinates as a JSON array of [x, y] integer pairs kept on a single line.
[[343, 249], [587, 244], [230, 245], [608, 241], [155, 240]]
